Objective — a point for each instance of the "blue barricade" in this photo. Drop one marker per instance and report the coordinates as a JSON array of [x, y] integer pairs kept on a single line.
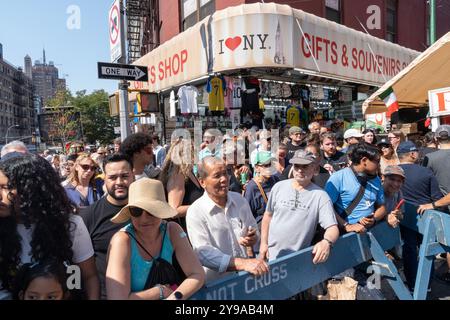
[[295, 273], [435, 228]]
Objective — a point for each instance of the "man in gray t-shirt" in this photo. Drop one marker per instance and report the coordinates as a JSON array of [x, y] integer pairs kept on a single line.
[[294, 209]]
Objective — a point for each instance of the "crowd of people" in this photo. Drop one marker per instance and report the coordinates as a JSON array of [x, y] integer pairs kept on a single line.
[[146, 221]]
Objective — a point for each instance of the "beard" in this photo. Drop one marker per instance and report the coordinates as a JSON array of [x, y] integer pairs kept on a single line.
[[113, 195]]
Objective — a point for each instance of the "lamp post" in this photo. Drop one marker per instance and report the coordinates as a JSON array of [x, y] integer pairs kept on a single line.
[[7, 131]]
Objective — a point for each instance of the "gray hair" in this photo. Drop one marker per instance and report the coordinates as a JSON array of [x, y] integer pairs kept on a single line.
[[14, 146], [207, 161]]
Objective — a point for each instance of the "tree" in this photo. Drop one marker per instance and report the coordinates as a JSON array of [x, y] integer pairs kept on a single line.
[[96, 122], [61, 117]]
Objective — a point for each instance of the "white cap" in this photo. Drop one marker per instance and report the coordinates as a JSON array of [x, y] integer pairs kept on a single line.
[[352, 133]]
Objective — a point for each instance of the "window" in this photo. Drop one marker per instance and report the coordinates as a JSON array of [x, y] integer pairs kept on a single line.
[[391, 21], [333, 10], [192, 11]]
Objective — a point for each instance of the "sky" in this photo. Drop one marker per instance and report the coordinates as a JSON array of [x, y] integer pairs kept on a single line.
[[28, 26]]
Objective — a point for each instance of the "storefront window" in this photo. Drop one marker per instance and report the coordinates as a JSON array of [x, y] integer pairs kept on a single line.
[[333, 10], [192, 11], [391, 21]]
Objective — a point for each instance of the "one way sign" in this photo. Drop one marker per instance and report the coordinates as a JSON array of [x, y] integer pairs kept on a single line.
[[122, 71]]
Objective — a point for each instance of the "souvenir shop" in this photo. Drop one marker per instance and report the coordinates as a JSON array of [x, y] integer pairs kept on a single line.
[[266, 65]]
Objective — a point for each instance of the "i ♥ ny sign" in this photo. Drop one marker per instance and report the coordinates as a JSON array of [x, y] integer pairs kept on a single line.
[[246, 42]]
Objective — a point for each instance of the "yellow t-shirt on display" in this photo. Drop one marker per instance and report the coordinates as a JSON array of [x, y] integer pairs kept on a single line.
[[215, 88], [293, 116]]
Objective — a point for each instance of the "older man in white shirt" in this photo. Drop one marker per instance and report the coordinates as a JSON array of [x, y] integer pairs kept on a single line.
[[221, 226]]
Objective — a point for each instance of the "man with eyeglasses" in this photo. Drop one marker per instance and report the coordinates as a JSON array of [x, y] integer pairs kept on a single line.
[[396, 137], [118, 170], [294, 208], [258, 189], [357, 192], [297, 136]]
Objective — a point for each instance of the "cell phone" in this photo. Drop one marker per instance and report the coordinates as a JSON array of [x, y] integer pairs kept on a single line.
[[399, 204]]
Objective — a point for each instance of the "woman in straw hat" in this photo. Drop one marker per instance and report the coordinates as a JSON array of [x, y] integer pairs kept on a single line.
[[135, 248]]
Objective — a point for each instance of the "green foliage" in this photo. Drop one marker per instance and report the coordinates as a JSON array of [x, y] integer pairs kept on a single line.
[[86, 113], [96, 122], [62, 117]]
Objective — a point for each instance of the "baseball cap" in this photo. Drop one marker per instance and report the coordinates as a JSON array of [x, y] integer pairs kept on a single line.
[[384, 142], [352, 133], [443, 131], [302, 157], [394, 170], [406, 146], [263, 157], [295, 129]]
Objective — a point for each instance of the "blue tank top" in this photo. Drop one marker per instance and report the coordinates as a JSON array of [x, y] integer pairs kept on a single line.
[[139, 267]]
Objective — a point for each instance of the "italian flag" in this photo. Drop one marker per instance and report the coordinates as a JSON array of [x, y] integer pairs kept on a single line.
[[390, 100]]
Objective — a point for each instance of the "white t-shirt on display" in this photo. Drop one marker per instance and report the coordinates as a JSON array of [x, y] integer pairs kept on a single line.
[[173, 112], [187, 98]]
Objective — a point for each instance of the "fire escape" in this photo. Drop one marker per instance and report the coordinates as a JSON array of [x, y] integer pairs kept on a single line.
[[142, 27]]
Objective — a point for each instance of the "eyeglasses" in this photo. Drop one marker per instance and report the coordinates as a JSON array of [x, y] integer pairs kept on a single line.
[[390, 138], [87, 167], [268, 165]]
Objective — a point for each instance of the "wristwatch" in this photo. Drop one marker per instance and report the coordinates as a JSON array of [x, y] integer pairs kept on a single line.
[[434, 205], [161, 291]]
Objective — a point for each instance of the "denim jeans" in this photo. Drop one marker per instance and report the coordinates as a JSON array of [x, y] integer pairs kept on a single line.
[[411, 242]]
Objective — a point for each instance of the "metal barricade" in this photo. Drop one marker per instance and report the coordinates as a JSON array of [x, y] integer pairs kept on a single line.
[[295, 273], [435, 228]]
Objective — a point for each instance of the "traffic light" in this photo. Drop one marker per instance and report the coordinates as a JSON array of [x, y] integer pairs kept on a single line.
[[148, 102]]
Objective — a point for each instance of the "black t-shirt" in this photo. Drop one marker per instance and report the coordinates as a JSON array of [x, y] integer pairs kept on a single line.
[[291, 149], [97, 217], [338, 160]]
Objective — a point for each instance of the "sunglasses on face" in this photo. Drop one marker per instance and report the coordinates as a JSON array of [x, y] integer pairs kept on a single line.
[[137, 212], [87, 167]]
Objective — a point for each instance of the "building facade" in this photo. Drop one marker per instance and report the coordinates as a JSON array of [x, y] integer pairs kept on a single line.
[[16, 104], [405, 22], [46, 80]]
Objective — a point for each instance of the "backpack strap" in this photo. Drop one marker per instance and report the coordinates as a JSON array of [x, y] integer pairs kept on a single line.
[[261, 190]]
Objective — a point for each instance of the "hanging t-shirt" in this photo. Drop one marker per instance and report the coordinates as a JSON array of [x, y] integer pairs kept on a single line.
[[275, 90], [233, 93], [293, 116], [172, 113], [296, 91], [216, 87], [261, 105], [187, 99], [250, 97]]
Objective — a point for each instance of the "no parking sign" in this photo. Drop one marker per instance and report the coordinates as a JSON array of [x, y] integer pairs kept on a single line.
[[114, 31]]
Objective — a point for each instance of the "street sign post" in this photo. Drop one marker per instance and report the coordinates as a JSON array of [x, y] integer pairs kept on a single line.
[[122, 71], [115, 29]]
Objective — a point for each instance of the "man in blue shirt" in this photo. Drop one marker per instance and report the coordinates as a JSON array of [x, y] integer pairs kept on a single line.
[[344, 185]]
